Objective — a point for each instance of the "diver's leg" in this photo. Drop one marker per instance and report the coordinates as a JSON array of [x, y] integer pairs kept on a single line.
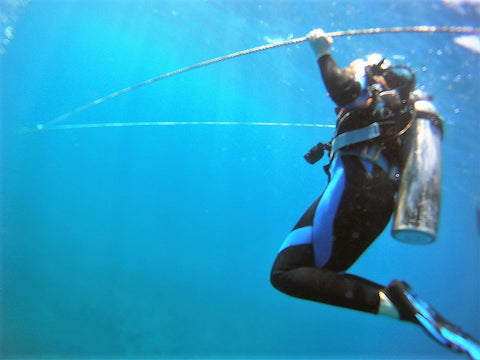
[[294, 273], [296, 269], [299, 269]]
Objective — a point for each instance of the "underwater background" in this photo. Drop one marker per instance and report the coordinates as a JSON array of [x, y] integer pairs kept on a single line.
[[157, 242]]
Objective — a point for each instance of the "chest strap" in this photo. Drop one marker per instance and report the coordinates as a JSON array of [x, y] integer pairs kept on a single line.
[[366, 133]]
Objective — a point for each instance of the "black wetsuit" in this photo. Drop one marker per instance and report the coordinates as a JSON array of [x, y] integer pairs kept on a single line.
[[357, 205], [333, 233]]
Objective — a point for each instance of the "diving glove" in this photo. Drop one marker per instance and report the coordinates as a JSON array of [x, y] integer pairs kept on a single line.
[[319, 42]]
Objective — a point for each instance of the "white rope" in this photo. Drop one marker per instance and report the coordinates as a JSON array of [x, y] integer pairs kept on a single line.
[[183, 123], [51, 125]]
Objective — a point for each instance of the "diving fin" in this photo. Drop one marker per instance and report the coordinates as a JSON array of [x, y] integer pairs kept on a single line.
[[414, 309]]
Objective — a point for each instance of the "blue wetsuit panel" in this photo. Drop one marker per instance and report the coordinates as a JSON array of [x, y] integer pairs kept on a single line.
[[299, 236], [326, 213], [333, 226], [319, 231]]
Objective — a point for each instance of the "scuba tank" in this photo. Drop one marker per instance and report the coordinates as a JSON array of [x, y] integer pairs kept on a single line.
[[419, 194]]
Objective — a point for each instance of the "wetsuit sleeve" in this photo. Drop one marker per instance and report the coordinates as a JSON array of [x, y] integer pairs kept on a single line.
[[342, 88]]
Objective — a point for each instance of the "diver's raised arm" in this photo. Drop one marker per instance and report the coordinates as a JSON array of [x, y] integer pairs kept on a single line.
[[341, 87]]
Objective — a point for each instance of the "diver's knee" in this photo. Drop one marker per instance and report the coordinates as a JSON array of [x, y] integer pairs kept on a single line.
[[277, 279], [276, 275]]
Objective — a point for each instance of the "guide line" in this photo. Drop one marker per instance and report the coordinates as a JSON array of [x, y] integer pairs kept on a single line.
[[52, 124]]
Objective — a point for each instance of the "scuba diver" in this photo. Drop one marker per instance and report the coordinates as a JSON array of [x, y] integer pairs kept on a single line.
[[385, 156]]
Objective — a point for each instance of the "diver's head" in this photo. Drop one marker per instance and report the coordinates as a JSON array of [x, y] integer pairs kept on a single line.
[[400, 77], [376, 69], [357, 67]]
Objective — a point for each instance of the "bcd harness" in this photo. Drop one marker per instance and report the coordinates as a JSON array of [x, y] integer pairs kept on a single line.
[[390, 114]]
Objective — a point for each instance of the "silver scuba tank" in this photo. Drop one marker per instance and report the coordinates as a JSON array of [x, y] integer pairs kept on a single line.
[[418, 203]]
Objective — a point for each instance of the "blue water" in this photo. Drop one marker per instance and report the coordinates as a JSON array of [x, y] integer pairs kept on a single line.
[[157, 242]]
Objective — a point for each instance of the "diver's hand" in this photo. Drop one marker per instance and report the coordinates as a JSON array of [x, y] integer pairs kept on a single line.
[[319, 42]]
